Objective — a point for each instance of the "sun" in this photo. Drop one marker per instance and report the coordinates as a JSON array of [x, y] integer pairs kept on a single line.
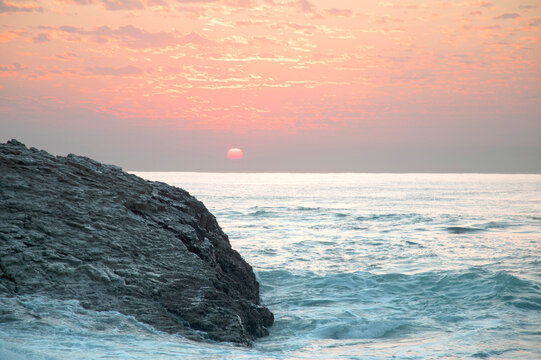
[[235, 154]]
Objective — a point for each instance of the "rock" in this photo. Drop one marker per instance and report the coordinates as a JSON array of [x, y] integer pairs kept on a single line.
[[72, 228]]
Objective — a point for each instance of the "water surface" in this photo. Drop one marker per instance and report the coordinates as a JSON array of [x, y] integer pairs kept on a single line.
[[357, 266]]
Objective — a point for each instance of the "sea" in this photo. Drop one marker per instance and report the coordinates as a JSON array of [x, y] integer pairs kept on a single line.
[[353, 266]]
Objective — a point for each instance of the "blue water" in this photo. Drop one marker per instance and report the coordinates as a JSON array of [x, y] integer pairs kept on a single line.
[[354, 266]]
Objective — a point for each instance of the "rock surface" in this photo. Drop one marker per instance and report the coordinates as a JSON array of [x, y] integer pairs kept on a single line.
[[72, 228]]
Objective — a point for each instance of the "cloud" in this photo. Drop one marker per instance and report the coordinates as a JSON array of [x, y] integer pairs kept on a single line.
[[67, 56], [305, 6], [245, 23], [485, 4], [8, 36], [195, 38], [507, 16], [70, 29], [110, 4], [240, 3], [140, 4], [10, 69], [269, 40], [41, 38], [294, 26], [339, 12], [388, 19], [535, 22], [488, 27], [122, 4], [234, 40], [398, 6], [12, 8], [133, 37], [114, 71], [530, 6]]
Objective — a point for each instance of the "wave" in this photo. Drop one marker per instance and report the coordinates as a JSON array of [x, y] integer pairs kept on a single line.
[[298, 212], [358, 306], [363, 305], [258, 211], [496, 225], [307, 208], [325, 217], [424, 280], [60, 315], [491, 225], [262, 213], [413, 243], [413, 218], [463, 230], [265, 211], [361, 330]]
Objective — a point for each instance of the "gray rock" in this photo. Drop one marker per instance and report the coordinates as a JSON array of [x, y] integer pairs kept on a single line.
[[72, 228]]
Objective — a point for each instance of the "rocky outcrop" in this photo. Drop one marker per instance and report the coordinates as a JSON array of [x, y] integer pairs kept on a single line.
[[72, 228]]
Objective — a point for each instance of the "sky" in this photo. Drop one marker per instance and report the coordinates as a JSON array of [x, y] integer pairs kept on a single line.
[[298, 85]]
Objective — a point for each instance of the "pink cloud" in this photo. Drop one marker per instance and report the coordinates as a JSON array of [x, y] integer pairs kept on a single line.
[[67, 56], [133, 37], [305, 5], [13, 8], [535, 22], [529, 7], [399, 6], [232, 3], [240, 3], [114, 71], [488, 27], [110, 4], [8, 36], [122, 4], [507, 16], [195, 38], [274, 65], [10, 69], [339, 12], [388, 19], [485, 4], [41, 38]]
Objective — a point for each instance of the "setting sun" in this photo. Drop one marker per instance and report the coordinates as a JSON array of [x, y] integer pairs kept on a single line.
[[235, 154]]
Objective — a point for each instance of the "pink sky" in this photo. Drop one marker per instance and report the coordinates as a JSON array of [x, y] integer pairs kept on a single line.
[[299, 85]]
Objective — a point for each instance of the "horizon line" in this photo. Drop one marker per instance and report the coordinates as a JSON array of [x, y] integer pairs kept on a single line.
[[336, 172]]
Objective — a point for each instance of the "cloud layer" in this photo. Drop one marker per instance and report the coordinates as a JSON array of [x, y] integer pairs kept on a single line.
[[390, 69]]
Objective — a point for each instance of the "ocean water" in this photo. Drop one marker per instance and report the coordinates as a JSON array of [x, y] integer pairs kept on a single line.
[[354, 266]]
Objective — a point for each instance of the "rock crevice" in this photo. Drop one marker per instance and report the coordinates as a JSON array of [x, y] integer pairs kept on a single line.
[[73, 228]]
